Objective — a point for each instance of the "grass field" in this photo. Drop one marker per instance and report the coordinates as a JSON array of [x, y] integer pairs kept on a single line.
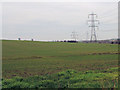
[[27, 59]]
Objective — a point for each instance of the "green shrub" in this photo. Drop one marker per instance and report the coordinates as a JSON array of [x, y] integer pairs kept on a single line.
[[61, 74], [75, 80], [35, 78], [17, 85], [8, 81], [17, 78], [48, 83], [62, 83]]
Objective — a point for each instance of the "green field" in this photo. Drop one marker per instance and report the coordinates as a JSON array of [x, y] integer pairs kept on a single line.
[[27, 59]]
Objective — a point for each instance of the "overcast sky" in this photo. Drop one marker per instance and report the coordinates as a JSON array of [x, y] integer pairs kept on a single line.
[[56, 21]]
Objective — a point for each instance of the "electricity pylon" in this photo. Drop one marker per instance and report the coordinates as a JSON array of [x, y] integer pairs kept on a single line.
[[74, 35], [92, 24]]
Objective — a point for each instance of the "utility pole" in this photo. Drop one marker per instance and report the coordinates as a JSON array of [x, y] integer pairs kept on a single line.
[[74, 35], [92, 24]]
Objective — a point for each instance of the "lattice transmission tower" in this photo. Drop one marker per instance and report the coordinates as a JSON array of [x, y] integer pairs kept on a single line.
[[74, 36], [93, 24]]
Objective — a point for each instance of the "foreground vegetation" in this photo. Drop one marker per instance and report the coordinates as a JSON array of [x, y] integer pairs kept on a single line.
[[67, 79], [28, 64]]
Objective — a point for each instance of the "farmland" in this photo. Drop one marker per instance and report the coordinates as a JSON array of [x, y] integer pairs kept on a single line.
[[27, 59]]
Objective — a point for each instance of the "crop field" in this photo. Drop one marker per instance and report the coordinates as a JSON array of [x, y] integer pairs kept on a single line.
[[64, 63]]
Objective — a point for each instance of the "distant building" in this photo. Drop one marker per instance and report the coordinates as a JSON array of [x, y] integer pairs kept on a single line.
[[115, 41], [111, 41]]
